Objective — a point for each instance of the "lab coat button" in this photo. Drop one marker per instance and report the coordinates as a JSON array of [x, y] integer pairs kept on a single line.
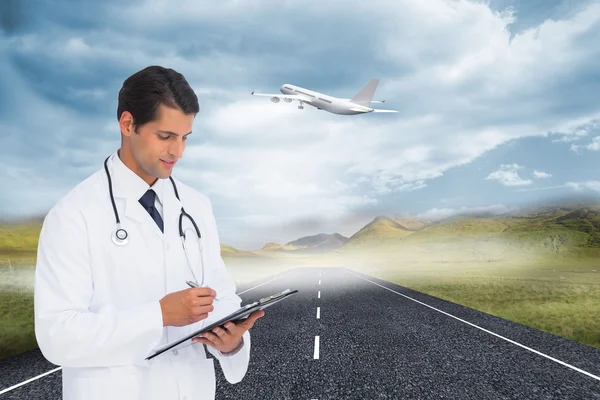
[[175, 352]]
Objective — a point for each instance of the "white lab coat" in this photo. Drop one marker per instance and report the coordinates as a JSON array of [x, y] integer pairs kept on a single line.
[[97, 310]]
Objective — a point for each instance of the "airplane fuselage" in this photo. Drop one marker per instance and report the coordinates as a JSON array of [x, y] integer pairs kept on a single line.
[[325, 102]]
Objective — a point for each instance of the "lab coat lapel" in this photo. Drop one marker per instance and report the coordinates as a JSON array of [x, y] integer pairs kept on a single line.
[[134, 211]]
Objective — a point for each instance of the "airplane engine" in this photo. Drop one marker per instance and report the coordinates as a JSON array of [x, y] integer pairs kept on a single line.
[[287, 100], [275, 99]]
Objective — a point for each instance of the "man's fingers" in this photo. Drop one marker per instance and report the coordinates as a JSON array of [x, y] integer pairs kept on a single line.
[[203, 341], [202, 301], [203, 309], [220, 332], [255, 315], [249, 322], [211, 337], [201, 292]]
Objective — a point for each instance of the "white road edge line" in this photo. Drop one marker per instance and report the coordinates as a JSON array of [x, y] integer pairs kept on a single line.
[[318, 312], [29, 380], [485, 330], [56, 369], [274, 279], [316, 355]]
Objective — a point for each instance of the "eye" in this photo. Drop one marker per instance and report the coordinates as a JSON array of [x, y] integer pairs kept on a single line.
[[164, 137]]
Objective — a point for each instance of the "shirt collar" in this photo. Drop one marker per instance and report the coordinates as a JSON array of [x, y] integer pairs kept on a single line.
[[130, 183]]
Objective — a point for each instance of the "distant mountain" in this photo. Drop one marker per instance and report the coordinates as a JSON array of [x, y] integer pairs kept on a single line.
[[381, 230], [410, 222], [319, 243], [271, 246], [318, 240], [558, 231], [229, 251]]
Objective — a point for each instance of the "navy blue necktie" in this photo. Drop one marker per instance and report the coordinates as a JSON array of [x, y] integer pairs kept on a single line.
[[147, 201]]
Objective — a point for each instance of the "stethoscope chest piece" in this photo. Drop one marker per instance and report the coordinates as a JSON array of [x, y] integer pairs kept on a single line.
[[120, 237]]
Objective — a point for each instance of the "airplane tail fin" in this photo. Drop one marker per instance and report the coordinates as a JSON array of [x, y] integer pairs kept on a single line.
[[365, 95]]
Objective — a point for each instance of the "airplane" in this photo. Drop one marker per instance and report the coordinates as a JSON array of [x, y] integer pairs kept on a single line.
[[359, 104]]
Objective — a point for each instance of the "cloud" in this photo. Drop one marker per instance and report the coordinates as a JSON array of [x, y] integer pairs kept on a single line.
[[595, 145], [593, 127], [436, 214], [272, 169], [539, 174], [541, 188], [587, 185], [508, 176], [576, 130]]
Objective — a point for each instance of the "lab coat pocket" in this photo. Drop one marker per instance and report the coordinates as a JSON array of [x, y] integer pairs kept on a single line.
[[195, 375], [204, 378], [113, 383]]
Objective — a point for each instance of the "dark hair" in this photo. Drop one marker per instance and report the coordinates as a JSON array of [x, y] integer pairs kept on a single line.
[[145, 90]]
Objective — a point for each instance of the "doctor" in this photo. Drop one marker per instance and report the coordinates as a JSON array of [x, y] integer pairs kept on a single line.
[[111, 275]]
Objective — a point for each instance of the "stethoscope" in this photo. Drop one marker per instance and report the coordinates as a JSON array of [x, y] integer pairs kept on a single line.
[[120, 237]]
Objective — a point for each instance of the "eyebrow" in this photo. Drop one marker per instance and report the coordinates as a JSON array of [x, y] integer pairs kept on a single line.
[[173, 133]]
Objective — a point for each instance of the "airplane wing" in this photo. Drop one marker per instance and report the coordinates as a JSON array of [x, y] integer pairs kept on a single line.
[[284, 96], [377, 110]]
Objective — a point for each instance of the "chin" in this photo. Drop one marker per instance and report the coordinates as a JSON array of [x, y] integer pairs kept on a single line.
[[160, 173]]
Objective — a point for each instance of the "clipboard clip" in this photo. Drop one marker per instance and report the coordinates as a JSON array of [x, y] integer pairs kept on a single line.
[[274, 296]]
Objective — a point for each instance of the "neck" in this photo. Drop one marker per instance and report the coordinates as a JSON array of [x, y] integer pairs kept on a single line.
[[127, 159]]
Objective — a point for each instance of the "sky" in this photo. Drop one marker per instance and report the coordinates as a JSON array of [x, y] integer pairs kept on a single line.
[[498, 105]]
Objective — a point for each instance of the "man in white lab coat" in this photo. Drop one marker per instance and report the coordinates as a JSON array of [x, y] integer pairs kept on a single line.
[[100, 308]]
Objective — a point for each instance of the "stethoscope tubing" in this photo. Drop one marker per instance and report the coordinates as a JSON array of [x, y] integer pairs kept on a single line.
[[120, 236]]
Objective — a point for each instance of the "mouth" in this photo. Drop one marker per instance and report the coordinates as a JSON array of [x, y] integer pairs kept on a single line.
[[167, 163]]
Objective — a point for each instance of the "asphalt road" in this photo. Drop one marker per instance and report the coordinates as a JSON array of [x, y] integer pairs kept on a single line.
[[347, 335]]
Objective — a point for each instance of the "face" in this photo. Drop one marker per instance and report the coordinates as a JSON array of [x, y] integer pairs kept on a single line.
[[153, 151]]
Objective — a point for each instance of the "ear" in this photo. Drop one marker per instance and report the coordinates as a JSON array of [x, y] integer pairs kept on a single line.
[[126, 123]]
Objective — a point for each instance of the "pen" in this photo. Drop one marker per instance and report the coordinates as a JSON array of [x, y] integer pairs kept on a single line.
[[194, 285]]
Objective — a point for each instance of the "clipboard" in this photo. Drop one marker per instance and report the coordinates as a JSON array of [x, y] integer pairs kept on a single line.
[[238, 315]]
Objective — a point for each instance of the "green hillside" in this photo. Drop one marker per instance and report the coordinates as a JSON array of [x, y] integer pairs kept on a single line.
[[557, 233], [18, 243], [229, 251], [381, 231]]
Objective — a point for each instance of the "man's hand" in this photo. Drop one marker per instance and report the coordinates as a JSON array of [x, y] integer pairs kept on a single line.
[[187, 306], [225, 340]]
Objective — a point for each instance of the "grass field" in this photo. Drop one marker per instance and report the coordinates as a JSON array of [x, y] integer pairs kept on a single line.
[[545, 278]]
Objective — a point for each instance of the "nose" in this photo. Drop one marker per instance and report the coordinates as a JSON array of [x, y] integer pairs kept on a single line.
[[177, 147]]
